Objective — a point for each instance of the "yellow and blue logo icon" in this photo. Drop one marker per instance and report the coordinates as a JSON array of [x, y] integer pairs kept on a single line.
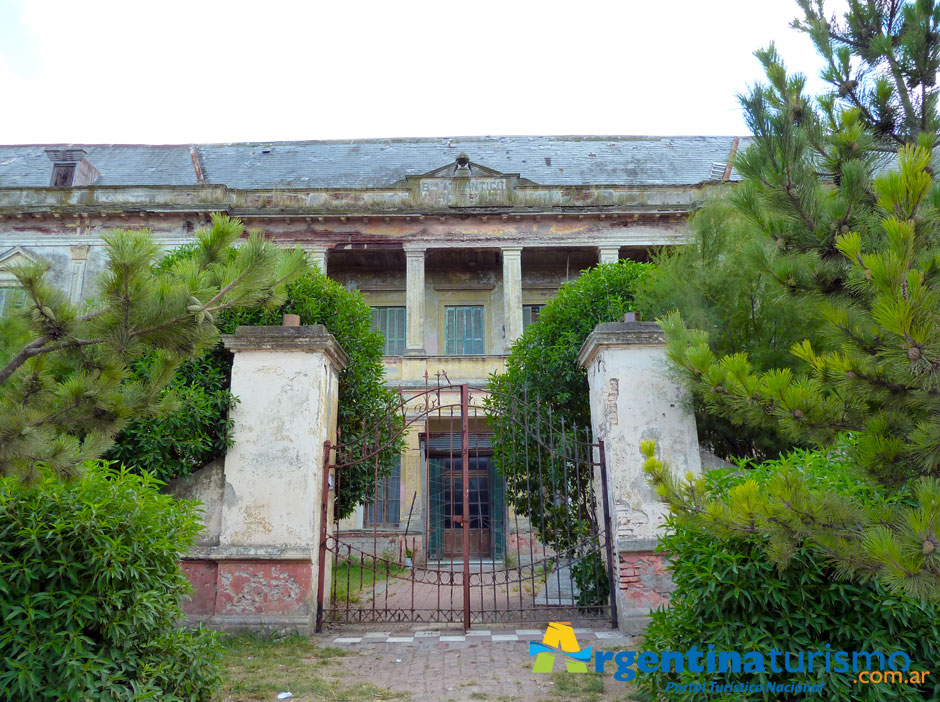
[[559, 641]]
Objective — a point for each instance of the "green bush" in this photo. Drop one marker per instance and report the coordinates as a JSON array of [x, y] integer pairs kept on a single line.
[[181, 442], [91, 589], [728, 594], [177, 443], [590, 575], [542, 374]]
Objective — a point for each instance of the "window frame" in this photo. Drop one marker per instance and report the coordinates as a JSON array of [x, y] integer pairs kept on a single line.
[[387, 349], [537, 307], [389, 496], [63, 168], [8, 308], [478, 343]]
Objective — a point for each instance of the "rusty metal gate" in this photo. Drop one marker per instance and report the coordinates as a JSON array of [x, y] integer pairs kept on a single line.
[[509, 527]]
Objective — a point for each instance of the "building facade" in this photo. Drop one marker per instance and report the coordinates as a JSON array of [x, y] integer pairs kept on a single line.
[[455, 243]]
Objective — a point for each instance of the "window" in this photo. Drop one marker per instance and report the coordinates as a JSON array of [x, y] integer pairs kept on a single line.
[[62, 174], [391, 322], [386, 508], [11, 299], [529, 314], [463, 330]]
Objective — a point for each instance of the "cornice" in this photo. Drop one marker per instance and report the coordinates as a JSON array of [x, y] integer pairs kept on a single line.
[[511, 200]]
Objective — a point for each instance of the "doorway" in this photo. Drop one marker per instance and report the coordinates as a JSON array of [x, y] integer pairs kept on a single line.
[[445, 501]]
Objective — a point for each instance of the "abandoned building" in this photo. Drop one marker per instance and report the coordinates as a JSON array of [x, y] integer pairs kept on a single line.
[[456, 244]]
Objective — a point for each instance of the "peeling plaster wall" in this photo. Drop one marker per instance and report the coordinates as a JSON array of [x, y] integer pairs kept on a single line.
[[633, 399], [258, 558], [205, 486], [274, 469]]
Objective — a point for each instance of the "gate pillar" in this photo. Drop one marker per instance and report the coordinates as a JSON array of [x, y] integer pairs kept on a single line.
[[633, 399], [265, 565]]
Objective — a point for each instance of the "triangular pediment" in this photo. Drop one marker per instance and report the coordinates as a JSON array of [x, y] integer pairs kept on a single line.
[[476, 170], [15, 255], [12, 257], [472, 170]]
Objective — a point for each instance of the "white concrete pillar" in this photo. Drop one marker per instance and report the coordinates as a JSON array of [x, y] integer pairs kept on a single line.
[[608, 254], [633, 399], [414, 301], [512, 294], [287, 382]]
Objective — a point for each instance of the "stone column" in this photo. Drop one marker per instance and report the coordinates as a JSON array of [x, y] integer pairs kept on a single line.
[[512, 294], [608, 254], [318, 256], [265, 565], [414, 302], [633, 399]]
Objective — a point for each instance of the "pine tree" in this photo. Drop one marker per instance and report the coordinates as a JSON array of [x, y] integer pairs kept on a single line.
[[67, 389], [857, 240], [882, 59]]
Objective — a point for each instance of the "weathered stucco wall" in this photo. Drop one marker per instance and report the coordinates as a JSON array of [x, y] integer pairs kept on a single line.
[[632, 400], [206, 486], [262, 570]]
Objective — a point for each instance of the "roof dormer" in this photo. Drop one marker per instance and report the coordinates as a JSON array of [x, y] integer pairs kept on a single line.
[[71, 168]]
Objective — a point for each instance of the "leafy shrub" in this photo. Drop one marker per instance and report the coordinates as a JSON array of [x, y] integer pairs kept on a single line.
[[590, 575], [180, 442], [728, 594], [542, 372], [91, 590], [199, 431]]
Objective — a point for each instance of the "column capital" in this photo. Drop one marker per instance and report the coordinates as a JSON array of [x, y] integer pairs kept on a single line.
[[318, 254], [79, 253], [415, 250], [511, 250], [608, 254]]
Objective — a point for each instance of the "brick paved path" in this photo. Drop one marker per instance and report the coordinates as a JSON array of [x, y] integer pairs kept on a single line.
[[448, 665]]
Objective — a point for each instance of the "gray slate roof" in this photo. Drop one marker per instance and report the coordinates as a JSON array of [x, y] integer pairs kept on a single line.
[[376, 163], [29, 166]]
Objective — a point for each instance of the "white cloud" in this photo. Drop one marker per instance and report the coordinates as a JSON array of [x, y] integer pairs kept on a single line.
[[175, 71]]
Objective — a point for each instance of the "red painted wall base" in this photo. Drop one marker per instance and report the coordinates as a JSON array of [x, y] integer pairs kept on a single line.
[[249, 588]]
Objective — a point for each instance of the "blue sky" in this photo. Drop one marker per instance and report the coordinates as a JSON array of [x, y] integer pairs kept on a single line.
[[113, 71]]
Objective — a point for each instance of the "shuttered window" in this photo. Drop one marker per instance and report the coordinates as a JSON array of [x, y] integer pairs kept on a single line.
[[463, 330], [391, 322], [529, 314], [11, 299], [385, 509]]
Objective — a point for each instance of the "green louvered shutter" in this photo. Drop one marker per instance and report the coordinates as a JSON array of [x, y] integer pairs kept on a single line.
[[497, 511], [463, 330], [391, 322], [435, 508]]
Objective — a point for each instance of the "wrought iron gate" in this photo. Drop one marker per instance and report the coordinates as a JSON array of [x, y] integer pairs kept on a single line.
[[510, 528]]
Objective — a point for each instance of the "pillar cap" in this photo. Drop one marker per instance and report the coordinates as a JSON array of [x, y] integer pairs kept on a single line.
[[620, 334], [306, 339]]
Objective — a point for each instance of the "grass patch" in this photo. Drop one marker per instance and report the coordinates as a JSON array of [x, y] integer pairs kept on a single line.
[[257, 668], [354, 578], [578, 687]]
